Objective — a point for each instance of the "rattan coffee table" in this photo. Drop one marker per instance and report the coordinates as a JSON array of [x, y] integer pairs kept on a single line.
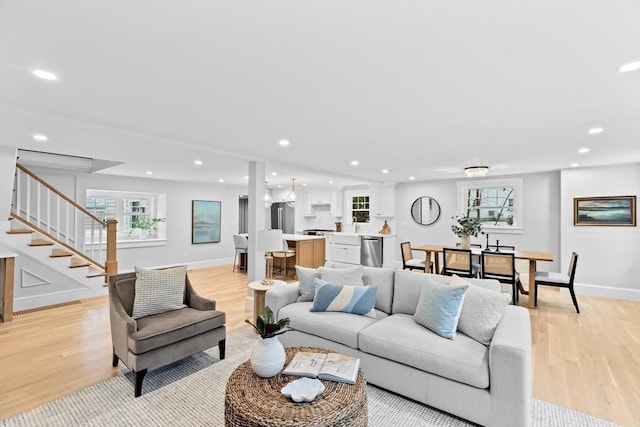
[[253, 401]]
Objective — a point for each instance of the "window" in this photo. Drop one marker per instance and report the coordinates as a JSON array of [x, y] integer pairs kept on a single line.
[[360, 208], [127, 208], [497, 204]]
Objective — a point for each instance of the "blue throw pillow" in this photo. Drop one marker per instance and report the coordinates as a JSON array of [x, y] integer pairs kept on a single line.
[[439, 307], [347, 299], [307, 286]]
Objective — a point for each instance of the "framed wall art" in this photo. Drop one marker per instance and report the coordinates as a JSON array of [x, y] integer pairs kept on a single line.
[[205, 221], [612, 210]]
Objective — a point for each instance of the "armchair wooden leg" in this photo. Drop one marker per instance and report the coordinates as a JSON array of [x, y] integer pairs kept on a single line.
[[115, 361], [139, 377], [221, 348]]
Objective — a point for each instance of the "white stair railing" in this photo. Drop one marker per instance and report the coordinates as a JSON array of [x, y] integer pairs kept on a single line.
[[57, 217]]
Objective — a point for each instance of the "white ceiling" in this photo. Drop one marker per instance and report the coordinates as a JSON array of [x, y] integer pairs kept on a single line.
[[421, 88]]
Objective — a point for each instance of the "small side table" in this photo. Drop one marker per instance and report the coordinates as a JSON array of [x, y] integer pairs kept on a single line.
[[259, 290]]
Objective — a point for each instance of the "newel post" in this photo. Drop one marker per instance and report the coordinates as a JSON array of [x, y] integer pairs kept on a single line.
[[111, 265]]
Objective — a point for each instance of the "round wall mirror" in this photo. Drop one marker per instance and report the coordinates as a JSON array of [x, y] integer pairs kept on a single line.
[[425, 210]]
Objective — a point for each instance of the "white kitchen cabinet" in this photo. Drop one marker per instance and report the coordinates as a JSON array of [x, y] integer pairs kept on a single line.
[[328, 240], [336, 203], [279, 194], [382, 201], [307, 209], [319, 197], [346, 254]]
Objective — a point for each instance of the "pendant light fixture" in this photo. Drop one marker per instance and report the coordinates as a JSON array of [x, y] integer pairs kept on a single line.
[[291, 197], [268, 200]]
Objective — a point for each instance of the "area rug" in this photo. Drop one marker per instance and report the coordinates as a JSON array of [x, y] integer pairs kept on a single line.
[[191, 393]]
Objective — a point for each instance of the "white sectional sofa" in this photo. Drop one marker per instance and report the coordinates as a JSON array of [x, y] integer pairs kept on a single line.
[[486, 384]]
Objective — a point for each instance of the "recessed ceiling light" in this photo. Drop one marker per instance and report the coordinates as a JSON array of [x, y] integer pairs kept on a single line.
[[221, 180], [304, 184], [594, 131], [411, 178], [330, 182], [631, 66], [283, 143], [385, 170], [45, 75], [354, 163], [40, 137], [279, 186], [197, 162], [574, 165], [245, 177], [149, 173], [274, 173], [583, 150]]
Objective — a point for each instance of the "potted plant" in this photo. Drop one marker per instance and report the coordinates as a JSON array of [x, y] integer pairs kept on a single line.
[[465, 227], [268, 356], [145, 224]]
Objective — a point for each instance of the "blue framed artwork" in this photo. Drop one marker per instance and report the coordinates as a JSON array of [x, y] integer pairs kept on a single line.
[[618, 210], [205, 221]]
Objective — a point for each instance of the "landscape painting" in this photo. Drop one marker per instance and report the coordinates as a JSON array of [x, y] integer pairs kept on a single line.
[[620, 210], [205, 221]]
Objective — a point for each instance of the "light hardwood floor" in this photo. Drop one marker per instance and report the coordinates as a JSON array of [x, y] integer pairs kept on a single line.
[[589, 362]]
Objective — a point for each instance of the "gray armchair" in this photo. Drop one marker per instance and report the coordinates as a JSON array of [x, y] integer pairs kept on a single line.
[[160, 339]]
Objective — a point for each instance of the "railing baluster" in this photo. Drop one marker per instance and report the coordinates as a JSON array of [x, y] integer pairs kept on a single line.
[[38, 196], [28, 207], [48, 210], [18, 190]]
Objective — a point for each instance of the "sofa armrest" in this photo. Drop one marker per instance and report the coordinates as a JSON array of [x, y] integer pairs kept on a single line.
[[194, 300], [121, 326], [280, 296], [510, 368]]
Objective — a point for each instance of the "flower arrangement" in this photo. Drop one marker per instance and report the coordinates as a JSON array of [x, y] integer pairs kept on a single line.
[[465, 226], [266, 325]]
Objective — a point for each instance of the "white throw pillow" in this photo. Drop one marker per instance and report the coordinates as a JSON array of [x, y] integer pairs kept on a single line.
[[350, 276], [158, 291], [481, 312]]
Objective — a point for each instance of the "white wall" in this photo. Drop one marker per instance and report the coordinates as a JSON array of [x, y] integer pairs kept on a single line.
[[609, 257], [179, 249], [7, 170], [540, 221]]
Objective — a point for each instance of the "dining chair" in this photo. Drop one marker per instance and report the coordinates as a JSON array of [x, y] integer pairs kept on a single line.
[[241, 244], [459, 261], [501, 266], [560, 280], [411, 263], [284, 255], [475, 258]]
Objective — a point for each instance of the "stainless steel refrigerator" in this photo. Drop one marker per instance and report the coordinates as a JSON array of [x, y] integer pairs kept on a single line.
[[283, 217]]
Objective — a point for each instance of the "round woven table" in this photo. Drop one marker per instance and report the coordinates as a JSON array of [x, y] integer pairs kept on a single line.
[[253, 401]]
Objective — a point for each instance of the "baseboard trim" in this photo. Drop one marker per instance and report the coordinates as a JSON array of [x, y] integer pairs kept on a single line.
[[606, 291], [60, 297]]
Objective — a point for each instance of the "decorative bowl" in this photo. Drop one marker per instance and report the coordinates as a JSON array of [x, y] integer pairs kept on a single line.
[[303, 390]]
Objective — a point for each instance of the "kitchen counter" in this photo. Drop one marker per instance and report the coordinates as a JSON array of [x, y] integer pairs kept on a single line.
[[300, 237], [346, 233]]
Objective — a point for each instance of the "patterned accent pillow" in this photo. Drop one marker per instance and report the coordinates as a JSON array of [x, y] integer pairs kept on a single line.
[[439, 307], [481, 311], [158, 291], [307, 286], [351, 276], [347, 299]]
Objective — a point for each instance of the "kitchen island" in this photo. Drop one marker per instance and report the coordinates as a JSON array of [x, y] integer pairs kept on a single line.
[[310, 250]]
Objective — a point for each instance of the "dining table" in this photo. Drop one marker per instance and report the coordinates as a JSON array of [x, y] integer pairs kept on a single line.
[[433, 253]]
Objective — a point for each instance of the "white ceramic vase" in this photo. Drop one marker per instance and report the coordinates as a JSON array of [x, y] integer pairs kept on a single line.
[[465, 242], [267, 358]]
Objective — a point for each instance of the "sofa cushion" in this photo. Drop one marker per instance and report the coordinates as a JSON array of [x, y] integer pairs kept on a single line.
[[481, 311], [399, 338], [307, 285], [347, 299], [158, 291], [166, 328], [351, 276], [407, 286], [340, 327], [439, 307], [380, 278]]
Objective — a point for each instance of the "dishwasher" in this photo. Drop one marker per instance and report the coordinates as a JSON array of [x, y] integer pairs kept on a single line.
[[371, 251]]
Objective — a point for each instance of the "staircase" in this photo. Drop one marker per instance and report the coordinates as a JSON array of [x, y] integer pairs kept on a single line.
[[65, 252]]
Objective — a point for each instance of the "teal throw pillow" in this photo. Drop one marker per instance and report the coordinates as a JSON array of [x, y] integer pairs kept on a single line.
[[344, 298], [439, 307], [307, 288]]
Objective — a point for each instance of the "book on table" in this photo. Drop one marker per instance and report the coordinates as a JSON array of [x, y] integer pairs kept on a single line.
[[325, 366]]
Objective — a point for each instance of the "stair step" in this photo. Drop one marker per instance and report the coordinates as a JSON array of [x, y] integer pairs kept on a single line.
[[95, 272], [59, 253], [40, 242], [20, 231], [78, 262]]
